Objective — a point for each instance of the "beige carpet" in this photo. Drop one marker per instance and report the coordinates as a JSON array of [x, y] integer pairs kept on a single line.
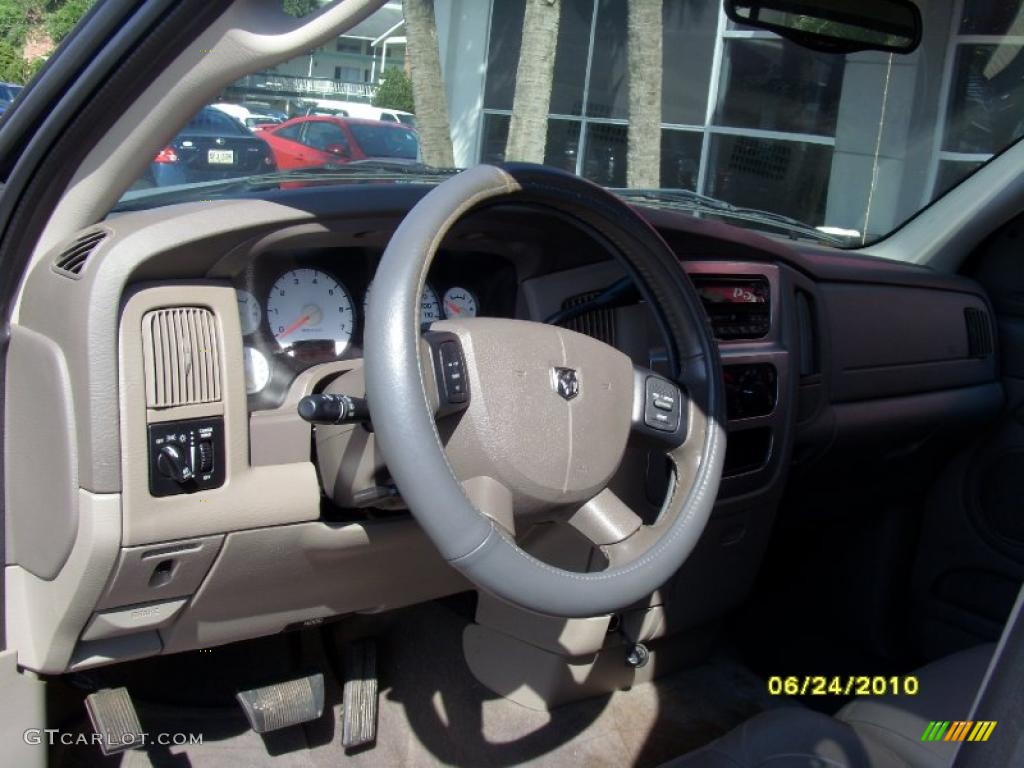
[[432, 712]]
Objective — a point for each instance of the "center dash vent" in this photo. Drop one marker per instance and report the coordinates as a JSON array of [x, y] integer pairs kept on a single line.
[[71, 261], [597, 323], [979, 332], [181, 357]]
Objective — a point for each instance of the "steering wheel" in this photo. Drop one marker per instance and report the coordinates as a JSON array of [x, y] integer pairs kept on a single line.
[[488, 425]]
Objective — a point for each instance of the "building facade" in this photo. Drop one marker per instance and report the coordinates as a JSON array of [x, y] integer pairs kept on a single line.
[[858, 142], [348, 67]]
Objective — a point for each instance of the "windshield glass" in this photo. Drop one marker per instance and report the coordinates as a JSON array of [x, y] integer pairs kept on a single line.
[[667, 102]]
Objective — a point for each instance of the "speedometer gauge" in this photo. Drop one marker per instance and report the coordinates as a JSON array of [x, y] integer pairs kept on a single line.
[[307, 305], [430, 307]]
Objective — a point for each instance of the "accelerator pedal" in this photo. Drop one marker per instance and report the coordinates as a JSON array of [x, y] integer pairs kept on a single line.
[[114, 719], [359, 718], [284, 704]]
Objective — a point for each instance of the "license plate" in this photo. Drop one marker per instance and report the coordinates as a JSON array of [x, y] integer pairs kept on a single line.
[[220, 157]]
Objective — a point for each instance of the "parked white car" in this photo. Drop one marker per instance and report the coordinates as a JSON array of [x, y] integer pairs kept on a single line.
[[364, 111], [247, 117]]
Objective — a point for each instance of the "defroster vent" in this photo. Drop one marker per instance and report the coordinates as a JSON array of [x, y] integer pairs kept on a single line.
[[72, 259], [181, 356]]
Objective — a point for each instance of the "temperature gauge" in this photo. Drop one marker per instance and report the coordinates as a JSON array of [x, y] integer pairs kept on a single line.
[[249, 311], [459, 302], [257, 370]]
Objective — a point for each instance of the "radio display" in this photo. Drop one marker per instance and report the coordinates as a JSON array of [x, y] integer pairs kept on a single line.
[[733, 291], [739, 307]]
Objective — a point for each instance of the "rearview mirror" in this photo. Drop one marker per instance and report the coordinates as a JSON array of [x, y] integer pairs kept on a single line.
[[835, 26]]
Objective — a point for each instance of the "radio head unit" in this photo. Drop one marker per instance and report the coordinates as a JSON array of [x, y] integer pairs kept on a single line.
[[739, 307]]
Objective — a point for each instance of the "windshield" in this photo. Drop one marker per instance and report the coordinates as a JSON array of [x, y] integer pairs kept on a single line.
[[680, 108]]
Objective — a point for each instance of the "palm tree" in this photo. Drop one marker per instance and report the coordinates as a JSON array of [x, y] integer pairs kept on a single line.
[[528, 128], [427, 84], [643, 166]]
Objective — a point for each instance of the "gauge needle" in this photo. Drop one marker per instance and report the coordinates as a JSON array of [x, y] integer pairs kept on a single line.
[[294, 326], [453, 307]]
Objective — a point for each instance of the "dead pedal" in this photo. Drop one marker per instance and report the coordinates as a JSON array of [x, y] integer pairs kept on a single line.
[[114, 719], [359, 715], [281, 705]]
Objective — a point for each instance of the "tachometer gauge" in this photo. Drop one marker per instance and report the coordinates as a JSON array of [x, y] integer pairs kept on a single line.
[[249, 311], [257, 370], [459, 302], [430, 307], [307, 305]]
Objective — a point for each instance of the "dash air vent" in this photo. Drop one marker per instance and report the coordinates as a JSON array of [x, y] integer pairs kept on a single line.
[[181, 357], [808, 336], [72, 259], [598, 323], [979, 332]]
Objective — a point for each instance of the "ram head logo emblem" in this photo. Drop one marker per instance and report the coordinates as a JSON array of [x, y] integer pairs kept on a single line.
[[566, 382]]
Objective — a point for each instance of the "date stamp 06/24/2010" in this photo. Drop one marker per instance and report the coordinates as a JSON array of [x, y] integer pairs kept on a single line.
[[840, 685]]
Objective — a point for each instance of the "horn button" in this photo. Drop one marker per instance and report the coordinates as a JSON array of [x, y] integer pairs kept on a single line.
[[549, 412]]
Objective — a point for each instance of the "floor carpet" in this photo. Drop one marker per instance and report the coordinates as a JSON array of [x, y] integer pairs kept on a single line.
[[432, 712]]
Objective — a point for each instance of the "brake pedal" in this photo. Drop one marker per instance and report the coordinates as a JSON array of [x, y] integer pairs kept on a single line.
[[359, 716], [114, 719], [283, 704]]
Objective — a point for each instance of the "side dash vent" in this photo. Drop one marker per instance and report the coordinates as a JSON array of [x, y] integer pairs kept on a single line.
[[808, 336], [181, 356], [597, 323], [71, 261], [979, 332]]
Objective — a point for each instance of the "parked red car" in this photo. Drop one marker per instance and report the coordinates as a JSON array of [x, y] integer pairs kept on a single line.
[[317, 140]]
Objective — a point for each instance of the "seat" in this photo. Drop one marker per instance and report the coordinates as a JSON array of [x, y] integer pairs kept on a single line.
[[869, 732]]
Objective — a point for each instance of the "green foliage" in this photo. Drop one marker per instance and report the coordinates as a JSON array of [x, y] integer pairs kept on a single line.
[[20, 19], [13, 68], [395, 91], [300, 8], [61, 17]]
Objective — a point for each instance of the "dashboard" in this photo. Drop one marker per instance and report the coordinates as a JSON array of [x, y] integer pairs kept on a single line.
[[200, 327]]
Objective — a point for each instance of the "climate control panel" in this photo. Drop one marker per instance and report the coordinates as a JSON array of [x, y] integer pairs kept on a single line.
[[186, 456]]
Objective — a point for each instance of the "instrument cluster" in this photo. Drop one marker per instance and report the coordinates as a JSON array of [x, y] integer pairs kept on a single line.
[[301, 310]]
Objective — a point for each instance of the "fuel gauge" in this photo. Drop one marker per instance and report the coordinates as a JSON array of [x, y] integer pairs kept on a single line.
[[459, 302]]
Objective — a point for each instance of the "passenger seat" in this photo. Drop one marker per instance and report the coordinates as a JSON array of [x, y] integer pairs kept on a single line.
[[869, 732]]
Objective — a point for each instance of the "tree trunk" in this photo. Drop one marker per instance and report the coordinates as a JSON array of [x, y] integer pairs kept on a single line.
[[528, 128], [427, 84], [643, 167]]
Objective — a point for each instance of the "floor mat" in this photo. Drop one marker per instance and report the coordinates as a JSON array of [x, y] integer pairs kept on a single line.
[[433, 712]]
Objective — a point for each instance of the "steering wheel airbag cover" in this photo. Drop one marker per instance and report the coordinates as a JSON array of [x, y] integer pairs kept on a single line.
[[408, 437]]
